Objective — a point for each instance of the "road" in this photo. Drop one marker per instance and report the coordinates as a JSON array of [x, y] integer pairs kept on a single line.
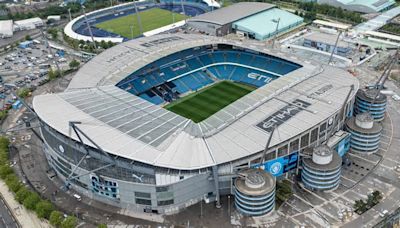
[[379, 21], [7, 220]]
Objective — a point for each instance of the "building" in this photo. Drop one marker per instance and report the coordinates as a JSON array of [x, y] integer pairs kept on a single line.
[[6, 29], [28, 24], [219, 22], [267, 24], [255, 192], [326, 42], [382, 37], [365, 133], [54, 17], [372, 101], [331, 26], [321, 170], [138, 156], [362, 6]]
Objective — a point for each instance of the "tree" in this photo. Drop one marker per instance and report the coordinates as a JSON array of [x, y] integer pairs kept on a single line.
[[22, 194], [28, 37], [74, 64], [360, 206], [31, 201], [43, 209], [69, 222], [23, 92], [102, 226], [53, 74], [56, 218], [5, 170], [13, 183], [53, 33]]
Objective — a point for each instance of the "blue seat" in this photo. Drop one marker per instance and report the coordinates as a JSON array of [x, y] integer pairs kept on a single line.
[[155, 99], [189, 81]]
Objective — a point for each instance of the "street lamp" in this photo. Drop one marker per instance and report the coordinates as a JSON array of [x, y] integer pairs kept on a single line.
[[88, 26], [276, 31], [69, 12], [131, 31], [138, 17]]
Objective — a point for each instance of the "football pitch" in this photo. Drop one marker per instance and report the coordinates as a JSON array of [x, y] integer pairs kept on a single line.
[[151, 19], [204, 103]]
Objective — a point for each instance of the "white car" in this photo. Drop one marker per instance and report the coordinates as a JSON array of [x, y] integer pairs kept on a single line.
[[396, 97], [383, 213]]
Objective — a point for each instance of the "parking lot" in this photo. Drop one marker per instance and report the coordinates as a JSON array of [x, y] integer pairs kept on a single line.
[[28, 67]]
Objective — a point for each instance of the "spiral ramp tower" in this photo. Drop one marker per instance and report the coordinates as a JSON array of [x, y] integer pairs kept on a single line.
[[255, 192], [321, 170], [365, 133], [372, 101]]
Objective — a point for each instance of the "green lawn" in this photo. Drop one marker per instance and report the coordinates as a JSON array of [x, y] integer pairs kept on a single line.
[[204, 103], [151, 19]]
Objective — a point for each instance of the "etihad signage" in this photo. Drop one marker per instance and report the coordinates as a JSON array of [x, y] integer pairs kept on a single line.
[[320, 91], [282, 115], [259, 77]]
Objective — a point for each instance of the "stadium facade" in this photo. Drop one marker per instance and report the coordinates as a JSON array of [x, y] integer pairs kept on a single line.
[[118, 147]]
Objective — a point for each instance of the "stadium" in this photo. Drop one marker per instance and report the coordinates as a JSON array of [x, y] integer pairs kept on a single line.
[[119, 23], [159, 123]]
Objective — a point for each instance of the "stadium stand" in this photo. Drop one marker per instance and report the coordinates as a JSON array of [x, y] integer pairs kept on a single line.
[[78, 29], [193, 69]]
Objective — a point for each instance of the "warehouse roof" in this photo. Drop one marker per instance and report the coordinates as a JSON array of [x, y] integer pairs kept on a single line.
[[326, 39], [264, 24], [131, 127], [233, 12], [6, 27]]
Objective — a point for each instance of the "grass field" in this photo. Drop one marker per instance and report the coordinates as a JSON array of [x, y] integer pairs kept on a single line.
[[204, 103], [151, 19]]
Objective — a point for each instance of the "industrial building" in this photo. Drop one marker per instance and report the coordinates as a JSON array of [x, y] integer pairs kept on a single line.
[[219, 22], [6, 29], [326, 42], [106, 138], [362, 6], [28, 24], [253, 19], [267, 24]]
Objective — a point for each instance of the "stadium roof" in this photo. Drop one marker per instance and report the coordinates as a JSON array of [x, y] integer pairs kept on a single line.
[[263, 25], [6, 28], [232, 13], [130, 127]]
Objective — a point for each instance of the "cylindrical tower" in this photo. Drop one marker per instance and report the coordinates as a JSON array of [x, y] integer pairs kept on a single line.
[[372, 101], [321, 171], [365, 133], [255, 192]]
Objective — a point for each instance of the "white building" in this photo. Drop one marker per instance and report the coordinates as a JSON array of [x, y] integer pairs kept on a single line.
[[54, 17], [28, 24], [6, 28]]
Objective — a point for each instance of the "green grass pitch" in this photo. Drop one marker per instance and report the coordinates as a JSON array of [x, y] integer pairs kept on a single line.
[[205, 102], [151, 19]]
